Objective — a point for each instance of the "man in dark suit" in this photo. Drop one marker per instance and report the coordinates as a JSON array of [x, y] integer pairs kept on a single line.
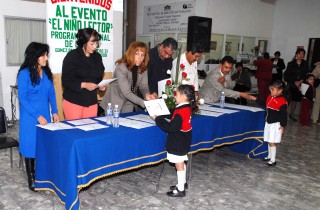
[[278, 66], [160, 61]]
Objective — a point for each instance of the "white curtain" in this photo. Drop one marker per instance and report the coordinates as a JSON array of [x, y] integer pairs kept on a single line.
[[19, 33]]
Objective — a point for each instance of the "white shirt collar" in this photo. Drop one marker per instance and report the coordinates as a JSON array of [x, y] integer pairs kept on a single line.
[[181, 104], [221, 72]]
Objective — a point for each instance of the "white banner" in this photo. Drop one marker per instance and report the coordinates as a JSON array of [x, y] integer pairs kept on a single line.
[[65, 18], [167, 17]]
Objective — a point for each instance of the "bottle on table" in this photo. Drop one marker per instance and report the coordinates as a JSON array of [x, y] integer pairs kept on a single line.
[[116, 113], [222, 99], [109, 114]]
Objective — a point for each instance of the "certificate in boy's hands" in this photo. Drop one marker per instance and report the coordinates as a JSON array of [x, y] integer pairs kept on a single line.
[[304, 88], [157, 107], [106, 81]]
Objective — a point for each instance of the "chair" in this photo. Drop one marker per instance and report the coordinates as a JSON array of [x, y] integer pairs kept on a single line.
[[6, 142]]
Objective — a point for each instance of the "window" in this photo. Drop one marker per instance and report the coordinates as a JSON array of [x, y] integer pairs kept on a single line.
[[232, 46], [215, 49], [19, 33], [148, 39], [248, 44]]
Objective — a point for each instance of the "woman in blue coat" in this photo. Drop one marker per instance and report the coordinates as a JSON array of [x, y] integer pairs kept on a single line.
[[37, 97]]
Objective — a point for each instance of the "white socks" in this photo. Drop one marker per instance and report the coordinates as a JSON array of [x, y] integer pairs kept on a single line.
[[181, 179], [269, 152], [273, 151], [185, 172]]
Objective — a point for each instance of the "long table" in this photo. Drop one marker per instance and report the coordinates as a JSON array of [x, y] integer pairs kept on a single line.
[[69, 160]]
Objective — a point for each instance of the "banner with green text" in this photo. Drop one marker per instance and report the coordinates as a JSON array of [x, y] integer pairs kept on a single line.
[[65, 18]]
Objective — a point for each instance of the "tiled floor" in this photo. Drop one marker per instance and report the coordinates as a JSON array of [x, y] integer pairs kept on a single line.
[[221, 179]]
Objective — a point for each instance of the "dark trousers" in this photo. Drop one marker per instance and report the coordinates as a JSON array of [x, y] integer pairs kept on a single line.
[[277, 76]]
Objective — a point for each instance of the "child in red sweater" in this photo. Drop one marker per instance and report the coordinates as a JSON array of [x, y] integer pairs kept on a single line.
[[276, 118], [179, 135]]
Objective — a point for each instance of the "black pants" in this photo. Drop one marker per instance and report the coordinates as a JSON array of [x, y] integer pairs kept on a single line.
[[277, 76]]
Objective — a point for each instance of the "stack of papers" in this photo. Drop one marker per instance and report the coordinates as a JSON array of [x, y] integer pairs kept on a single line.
[[141, 117], [87, 124], [56, 126], [211, 114], [137, 122], [134, 123], [216, 109], [82, 121], [249, 108], [90, 127]]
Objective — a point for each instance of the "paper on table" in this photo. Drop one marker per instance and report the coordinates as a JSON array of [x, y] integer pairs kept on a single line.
[[129, 122], [103, 119], [106, 81], [304, 88], [82, 121], [91, 127], [212, 114], [162, 86], [134, 123], [56, 126], [220, 110], [249, 108], [142, 117], [156, 107]]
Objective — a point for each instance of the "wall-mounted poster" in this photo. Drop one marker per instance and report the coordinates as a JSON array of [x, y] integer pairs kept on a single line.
[[213, 45], [65, 18], [164, 18]]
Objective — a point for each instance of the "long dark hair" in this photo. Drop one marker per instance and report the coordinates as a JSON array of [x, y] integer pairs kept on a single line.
[[188, 90], [31, 55]]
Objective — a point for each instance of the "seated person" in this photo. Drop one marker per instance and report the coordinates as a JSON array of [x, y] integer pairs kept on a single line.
[[218, 80], [243, 82]]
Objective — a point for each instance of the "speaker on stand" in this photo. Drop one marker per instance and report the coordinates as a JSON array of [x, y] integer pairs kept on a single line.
[[199, 30]]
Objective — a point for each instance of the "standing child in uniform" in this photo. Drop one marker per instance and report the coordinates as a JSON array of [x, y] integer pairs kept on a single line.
[[307, 99], [276, 118], [179, 136]]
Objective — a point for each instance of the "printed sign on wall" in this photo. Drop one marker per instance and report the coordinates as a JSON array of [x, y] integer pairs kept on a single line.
[[65, 18], [165, 18]]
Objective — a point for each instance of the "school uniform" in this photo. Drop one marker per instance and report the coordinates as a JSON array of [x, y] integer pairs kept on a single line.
[[179, 131], [178, 143], [275, 116]]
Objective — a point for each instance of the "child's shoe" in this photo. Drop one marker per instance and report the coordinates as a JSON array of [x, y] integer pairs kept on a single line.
[[265, 159], [270, 163], [174, 187], [176, 193]]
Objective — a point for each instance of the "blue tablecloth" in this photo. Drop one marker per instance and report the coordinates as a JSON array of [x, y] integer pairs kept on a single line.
[[69, 160]]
